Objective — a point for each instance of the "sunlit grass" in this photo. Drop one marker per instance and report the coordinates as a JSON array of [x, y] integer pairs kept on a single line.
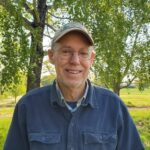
[[134, 97], [6, 112], [142, 120], [4, 125], [5, 119]]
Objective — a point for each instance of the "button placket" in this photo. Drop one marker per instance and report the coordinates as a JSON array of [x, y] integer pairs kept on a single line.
[[71, 133]]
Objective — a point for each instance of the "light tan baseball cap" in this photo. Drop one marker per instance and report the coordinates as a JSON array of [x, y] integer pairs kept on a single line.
[[72, 26]]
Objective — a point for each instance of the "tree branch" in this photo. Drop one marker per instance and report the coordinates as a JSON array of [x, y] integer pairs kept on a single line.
[[48, 36], [58, 16], [36, 13], [50, 26], [27, 8], [133, 50], [27, 22], [128, 82]]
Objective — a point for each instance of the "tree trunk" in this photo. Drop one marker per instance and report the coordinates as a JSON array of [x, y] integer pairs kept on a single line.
[[116, 89], [37, 53], [35, 67]]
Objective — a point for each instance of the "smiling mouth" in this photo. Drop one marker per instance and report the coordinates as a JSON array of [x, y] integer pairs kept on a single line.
[[73, 71]]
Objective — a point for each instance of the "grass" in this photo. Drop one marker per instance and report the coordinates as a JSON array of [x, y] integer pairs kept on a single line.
[[4, 125], [5, 119], [136, 98], [142, 119], [139, 109], [6, 112]]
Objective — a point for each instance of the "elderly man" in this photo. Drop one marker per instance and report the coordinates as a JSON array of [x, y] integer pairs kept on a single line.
[[71, 113]]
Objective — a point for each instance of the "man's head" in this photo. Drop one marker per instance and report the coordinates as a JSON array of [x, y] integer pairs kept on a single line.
[[72, 54]]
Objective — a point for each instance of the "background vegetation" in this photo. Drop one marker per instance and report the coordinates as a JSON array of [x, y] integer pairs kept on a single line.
[[120, 29]]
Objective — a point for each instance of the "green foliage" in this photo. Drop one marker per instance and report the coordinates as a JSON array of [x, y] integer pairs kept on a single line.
[[120, 30], [13, 49], [24, 25], [17, 89], [47, 79]]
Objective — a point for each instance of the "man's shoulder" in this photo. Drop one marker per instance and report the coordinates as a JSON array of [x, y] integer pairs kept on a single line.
[[104, 94], [35, 94], [107, 96], [103, 91], [39, 91]]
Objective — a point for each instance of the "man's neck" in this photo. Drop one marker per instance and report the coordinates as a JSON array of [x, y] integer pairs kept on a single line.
[[72, 94]]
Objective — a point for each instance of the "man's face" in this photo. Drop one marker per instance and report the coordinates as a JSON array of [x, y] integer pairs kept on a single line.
[[72, 60]]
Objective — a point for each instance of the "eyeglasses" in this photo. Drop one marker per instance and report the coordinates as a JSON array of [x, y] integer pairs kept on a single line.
[[68, 53]]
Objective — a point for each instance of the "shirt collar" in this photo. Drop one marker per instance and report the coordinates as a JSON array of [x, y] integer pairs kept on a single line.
[[89, 97], [62, 99]]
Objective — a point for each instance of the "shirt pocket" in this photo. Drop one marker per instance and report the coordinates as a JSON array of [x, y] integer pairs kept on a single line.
[[99, 141], [44, 141]]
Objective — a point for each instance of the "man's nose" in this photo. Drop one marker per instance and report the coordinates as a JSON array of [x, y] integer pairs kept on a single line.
[[75, 58]]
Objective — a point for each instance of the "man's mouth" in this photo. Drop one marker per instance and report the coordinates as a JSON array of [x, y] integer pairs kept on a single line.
[[73, 71]]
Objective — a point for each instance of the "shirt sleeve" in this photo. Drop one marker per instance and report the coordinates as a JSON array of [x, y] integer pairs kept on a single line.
[[17, 134], [128, 137]]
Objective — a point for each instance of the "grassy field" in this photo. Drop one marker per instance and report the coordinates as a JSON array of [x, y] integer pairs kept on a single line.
[[4, 125], [138, 103], [5, 119], [142, 120], [134, 97]]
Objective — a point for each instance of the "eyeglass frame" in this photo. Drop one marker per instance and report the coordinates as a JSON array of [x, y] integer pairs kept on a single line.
[[57, 47]]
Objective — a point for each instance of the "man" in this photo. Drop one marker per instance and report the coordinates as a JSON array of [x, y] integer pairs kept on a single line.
[[72, 114]]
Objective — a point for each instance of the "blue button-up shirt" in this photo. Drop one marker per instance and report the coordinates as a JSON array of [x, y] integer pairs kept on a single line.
[[41, 121]]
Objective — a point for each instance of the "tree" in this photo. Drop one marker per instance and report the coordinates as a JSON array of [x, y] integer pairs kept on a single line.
[[13, 49], [18, 89], [33, 19], [49, 73], [120, 31]]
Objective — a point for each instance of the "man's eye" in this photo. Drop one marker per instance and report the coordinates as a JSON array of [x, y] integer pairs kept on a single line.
[[66, 51], [84, 53]]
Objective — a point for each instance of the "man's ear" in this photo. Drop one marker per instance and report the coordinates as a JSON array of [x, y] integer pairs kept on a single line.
[[92, 57], [51, 55]]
